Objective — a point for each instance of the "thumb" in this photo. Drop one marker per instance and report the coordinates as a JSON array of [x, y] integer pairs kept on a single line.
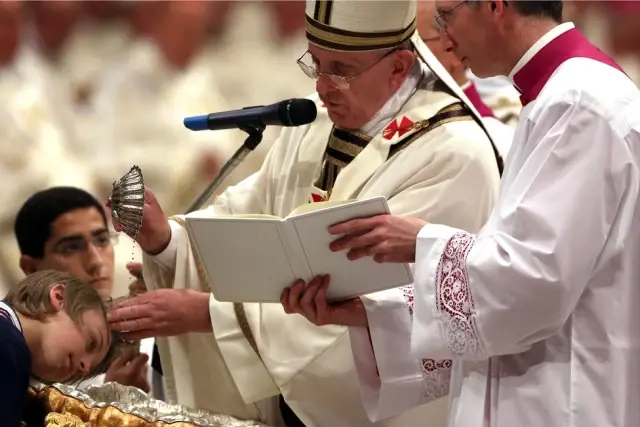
[[135, 268], [117, 226], [138, 362], [118, 363], [149, 197]]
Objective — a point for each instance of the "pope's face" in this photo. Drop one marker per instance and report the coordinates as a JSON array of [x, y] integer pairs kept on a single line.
[[371, 78]]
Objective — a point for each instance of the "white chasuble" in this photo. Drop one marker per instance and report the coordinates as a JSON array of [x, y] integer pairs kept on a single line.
[[539, 310], [432, 160]]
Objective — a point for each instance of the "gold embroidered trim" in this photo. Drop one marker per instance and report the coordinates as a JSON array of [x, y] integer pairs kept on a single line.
[[345, 147], [339, 153], [336, 39], [452, 113]]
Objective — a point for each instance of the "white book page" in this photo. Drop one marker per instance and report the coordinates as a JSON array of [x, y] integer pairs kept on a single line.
[[244, 259], [348, 278]]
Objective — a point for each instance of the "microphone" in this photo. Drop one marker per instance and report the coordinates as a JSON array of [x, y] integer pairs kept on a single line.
[[252, 120], [292, 112]]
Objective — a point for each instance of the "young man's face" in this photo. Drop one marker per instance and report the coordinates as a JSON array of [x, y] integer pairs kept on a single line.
[[70, 350], [81, 244]]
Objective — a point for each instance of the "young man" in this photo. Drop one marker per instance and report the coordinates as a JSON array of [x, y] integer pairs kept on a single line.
[[53, 327], [374, 92], [65, 229], [539, 310]]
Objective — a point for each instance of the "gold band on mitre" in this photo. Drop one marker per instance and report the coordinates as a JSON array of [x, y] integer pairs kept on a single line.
[[335, 39], [344, 25]]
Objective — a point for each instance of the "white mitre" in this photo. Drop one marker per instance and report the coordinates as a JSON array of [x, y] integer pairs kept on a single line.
[[359, 26]]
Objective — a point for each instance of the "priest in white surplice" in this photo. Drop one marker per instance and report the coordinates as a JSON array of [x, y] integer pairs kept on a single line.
[[539, 310], [391, 122]]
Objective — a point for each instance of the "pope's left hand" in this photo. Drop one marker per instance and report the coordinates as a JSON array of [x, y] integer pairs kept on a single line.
[[387, 238], [310, 300]]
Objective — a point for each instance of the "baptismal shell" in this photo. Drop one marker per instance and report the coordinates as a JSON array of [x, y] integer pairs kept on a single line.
[[127, 201]]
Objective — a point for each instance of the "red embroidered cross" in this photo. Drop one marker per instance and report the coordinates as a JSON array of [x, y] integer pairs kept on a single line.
[[405, 126]]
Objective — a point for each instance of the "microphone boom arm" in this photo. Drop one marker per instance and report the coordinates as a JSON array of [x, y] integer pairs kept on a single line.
[[251, 142]]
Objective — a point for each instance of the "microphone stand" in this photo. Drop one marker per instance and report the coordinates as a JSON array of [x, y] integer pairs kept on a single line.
[[255, 137]]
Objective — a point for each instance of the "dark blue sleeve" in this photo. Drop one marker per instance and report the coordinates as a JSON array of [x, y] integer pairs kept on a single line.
[[15, 370]]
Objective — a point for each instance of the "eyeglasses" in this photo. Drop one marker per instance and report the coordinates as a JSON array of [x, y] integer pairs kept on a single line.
[[340, 82], [77, 244], [444, 18]]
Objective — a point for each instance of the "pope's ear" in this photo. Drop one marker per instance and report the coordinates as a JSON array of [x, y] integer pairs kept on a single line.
[[403, 61], [56, 297]]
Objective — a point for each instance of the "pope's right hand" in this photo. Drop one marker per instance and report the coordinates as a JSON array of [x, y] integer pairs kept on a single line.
[[155, 233]]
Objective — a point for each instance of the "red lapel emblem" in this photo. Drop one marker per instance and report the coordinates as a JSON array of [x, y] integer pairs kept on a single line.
[[315, 198], [390, 131]]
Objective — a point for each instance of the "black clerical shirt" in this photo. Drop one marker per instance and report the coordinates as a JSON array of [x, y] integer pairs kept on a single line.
[[15, 368]]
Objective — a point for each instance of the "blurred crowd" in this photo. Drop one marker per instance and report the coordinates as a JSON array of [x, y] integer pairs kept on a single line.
[[90, 88]]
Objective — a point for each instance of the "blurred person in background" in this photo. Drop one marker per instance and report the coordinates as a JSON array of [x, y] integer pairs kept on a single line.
[[625, 35], [500, 96], [163, 76], [254, 67], [612, 26], [143, 16], [54, 22], [101, 32], [34, 152]]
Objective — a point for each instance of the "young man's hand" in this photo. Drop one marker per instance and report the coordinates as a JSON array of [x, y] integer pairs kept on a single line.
[[130, 369]]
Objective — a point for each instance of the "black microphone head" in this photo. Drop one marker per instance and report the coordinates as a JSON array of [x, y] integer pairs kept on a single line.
[[297, 112]]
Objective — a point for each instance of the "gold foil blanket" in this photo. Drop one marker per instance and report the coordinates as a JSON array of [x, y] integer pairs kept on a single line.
[[114, 405]]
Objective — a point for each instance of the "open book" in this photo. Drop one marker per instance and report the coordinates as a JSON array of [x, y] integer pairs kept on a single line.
[[252, 258]]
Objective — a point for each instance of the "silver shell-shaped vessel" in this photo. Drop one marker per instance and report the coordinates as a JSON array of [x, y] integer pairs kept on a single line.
[[127, 201]]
